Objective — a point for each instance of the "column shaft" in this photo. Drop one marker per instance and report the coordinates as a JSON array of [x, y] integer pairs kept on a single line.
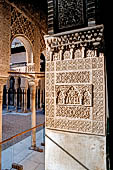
[[33, 116], [37, 99], [25, 100], [40, 98], [43, 96], [16, 100], [7, 100], [31, 99], [22, 101]]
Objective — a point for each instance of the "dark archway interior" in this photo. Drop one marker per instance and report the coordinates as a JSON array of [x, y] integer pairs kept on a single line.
[[42, 63]]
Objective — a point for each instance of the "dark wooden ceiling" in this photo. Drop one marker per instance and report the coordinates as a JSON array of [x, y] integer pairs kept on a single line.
[[32, 5], [36, 10]]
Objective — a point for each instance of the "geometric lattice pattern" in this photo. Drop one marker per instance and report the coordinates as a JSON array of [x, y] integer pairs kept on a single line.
[[21, 25], [75, 84], [70, 13]]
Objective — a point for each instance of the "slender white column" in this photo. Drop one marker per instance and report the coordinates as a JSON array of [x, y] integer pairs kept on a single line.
[[22, 100], [43, 96], [25, 100], [33, 144], [7, 94], [40, 98], [31, 98], [7, 100], [37, 99], [33, 116], [16, 91], [16, 100]]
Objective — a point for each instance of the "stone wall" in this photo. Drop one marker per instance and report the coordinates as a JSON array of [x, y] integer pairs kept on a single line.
[[75, 91], [5, 18]]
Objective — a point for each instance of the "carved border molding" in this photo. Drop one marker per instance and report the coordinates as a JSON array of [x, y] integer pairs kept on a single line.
[[75, 44]]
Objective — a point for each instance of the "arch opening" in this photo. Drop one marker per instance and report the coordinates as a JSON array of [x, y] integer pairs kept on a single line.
[[21, 55]]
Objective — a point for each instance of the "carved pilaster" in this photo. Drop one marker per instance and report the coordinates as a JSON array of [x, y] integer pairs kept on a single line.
[[5, 18], [74, 80]]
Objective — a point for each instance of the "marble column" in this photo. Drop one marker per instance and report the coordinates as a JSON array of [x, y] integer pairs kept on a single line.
[[16, 91], [33, 142], [37, 99], [33, 94], [7, 90], [41, 98], [16, 108], [30, 99], [24, 87], [33, 118], [7, 94], [25, 100], [22, 100]]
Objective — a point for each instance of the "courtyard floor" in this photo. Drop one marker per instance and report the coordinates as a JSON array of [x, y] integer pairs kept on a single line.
[[20, 154], [17, 150], [14, 123]]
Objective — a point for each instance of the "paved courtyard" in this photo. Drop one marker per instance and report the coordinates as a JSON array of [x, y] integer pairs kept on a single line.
[[20, 154], [17, 150], [14, 123]]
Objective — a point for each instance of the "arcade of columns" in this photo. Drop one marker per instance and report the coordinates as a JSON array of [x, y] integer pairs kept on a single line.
[[20, 99]]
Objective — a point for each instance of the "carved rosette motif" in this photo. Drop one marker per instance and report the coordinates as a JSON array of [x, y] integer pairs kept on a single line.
[[75, 82]]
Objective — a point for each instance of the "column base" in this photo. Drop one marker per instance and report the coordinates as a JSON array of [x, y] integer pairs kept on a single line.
[[36, 149], [17, 166], [25, 111]]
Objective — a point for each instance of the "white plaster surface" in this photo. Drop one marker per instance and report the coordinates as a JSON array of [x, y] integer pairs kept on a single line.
[[89, 150], [16, 58]]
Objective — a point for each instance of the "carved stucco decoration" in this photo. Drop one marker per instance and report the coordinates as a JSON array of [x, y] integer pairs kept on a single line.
[[84, 41], [42, 42], [75, 82], [70, 13], [21, 25], [74, 95]]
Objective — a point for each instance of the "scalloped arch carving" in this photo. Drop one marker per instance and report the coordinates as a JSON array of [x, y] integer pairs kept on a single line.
[[21, 25]]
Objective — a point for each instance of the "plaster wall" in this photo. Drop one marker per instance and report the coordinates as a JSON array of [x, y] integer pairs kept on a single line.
[[72, 151], [18, 57], [5, 18]]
